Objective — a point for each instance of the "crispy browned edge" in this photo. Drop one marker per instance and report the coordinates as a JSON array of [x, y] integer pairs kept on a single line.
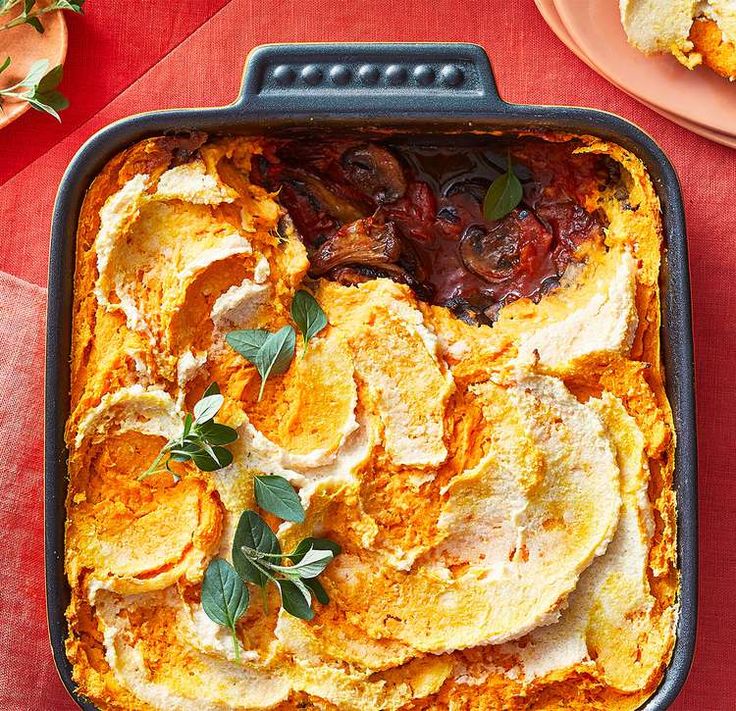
[[718, 55]]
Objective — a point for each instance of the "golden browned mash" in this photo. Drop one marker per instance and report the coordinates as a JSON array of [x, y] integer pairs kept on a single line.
[[502, 493]]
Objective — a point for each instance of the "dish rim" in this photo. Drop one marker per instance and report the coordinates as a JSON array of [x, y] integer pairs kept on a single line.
[[263, 107]]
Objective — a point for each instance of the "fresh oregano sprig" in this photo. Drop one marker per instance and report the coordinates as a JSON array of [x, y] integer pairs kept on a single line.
[[225, 597], [38, 88], [308, 315], [271, 353], [202, 439], [258, 559], [503, 195], [31, 12]]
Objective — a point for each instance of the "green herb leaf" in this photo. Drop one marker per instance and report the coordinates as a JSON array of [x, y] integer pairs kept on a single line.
[[35, 74], [318, 590], [271, 353], [212, 389], [308, 315], [257, 555], [66, 5], [247, 342], [36, 24], [201, 440], [312, 564], [50, 80], [503, 195], [319, 544], [31, 16], [275, 355], [51, 99], [253, 533], [5, 65], [296, 599], [216, 433], [217, 458], [188, 422], [206, 409], [40, 92], [277, 496], [225, 598]]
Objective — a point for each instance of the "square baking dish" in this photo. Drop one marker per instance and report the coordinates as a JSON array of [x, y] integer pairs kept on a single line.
[[419, 90]]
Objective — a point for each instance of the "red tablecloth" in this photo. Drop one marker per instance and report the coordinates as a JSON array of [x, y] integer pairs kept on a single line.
[[128, 58]]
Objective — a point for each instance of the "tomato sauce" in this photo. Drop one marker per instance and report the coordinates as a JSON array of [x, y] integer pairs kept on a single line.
[[414, 213]]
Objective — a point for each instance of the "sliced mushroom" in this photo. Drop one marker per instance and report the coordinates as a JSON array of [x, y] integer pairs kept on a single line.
[[367, 242], [492, 253], [375, 171], [351, 276], [473, 187], [324, 198], [358, 274]]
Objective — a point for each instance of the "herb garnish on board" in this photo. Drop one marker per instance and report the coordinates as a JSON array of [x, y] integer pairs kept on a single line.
[[38, 88], [31, 12]]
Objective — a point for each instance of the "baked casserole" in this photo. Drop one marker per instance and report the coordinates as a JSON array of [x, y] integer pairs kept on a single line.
[[479, 426]]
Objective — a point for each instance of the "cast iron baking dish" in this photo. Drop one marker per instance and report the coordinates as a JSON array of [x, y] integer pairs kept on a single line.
[[409, 89]]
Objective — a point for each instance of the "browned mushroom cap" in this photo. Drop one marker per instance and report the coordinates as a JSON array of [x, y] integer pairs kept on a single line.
[[375, 171], [367, 242], [492, 253]]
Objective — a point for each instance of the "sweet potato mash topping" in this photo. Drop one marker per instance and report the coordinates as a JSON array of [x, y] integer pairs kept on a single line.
[[501, 493]]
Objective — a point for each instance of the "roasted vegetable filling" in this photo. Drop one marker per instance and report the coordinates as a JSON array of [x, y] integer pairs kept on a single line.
[[420, 215]]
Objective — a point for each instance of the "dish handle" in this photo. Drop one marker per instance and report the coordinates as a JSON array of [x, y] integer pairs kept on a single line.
[[368, 78]]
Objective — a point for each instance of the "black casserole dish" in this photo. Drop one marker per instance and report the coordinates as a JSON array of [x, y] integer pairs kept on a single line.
[[407, 90]]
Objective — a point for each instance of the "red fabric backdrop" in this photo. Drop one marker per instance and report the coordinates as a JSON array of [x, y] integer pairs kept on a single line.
[[126, 58]]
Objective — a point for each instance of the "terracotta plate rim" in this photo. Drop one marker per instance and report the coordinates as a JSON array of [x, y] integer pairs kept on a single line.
[[16, 109], [699, 96], [551, 17]]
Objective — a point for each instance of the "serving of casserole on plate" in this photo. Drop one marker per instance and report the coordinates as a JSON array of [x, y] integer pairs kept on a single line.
[[481, 426], [694, 31]]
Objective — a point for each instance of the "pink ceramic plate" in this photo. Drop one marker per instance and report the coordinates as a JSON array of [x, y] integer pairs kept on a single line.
[[25, 46], [699, 96], [549, 13]]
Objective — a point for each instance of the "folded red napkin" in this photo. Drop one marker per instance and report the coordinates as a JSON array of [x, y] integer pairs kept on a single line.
[[28, 679]]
